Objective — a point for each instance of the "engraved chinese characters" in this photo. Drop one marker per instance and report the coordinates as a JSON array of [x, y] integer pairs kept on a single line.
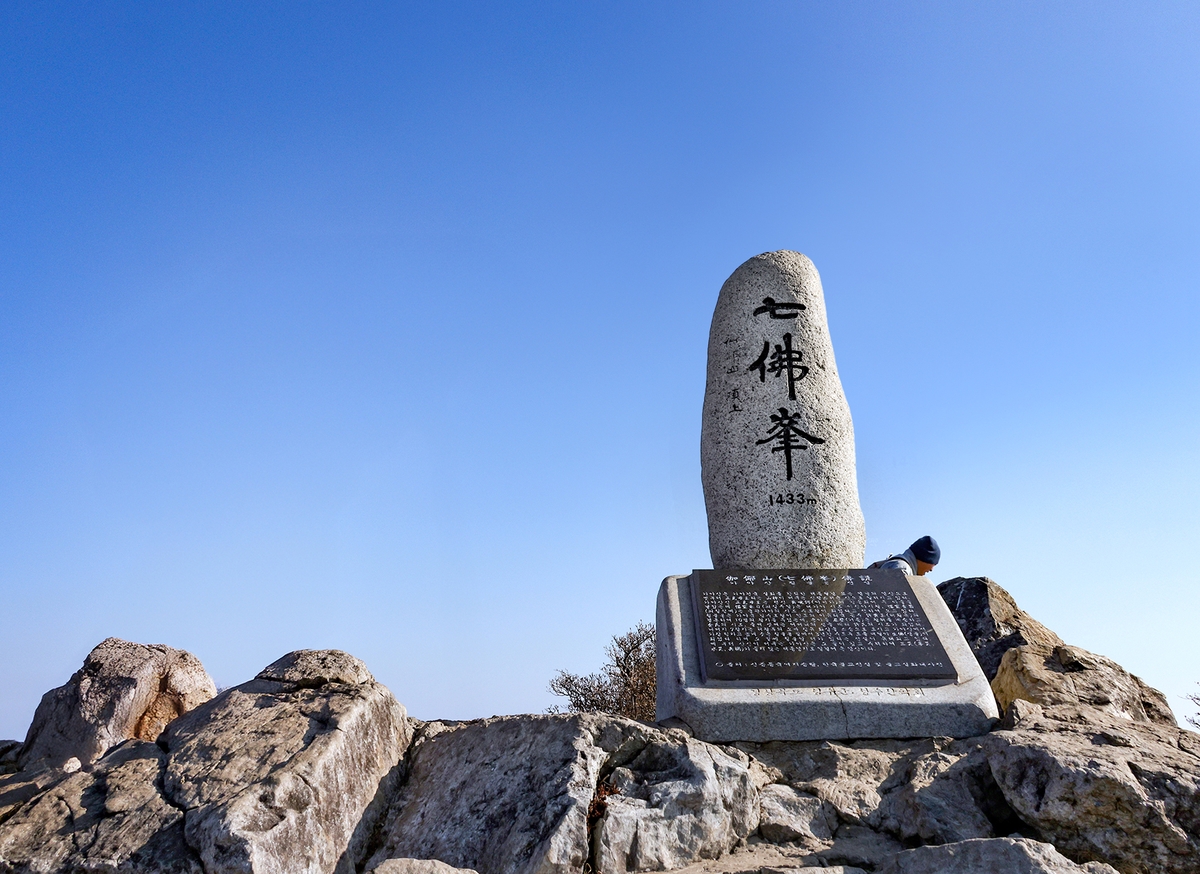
[[777, 442], [831, 624]]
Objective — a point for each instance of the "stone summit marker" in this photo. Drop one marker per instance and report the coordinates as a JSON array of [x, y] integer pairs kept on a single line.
[[777, 442], [788, 638]]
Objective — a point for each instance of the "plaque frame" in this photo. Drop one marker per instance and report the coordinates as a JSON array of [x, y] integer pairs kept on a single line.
[[726, 655]]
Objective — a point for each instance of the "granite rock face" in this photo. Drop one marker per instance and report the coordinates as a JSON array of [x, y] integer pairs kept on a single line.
[[929, 791], [777, 441], [1007, 855], [418, 866], [678, 800], [275, 775], [787, 815], [1069, 675], [1026, 661], [499, 795], [514, 795], [9, 751], [114, 818], [313, 767], [991, 621], [1103, 787], [124, 690]]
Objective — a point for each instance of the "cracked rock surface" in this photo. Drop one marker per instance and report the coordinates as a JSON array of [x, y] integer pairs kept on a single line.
[[279, 775], [114, 818], [512, 795], [276, 774], [313, 766], [1069, 675], [991, 621], [1103, 788], [123, 691]]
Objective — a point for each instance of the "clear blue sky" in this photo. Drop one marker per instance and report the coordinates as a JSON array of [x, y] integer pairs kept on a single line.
[[382, 327]]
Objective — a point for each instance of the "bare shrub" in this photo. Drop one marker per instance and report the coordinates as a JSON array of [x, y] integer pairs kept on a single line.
[[1194, 721], [624, 686]]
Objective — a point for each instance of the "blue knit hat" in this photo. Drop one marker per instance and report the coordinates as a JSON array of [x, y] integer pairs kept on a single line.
[[926, 550]]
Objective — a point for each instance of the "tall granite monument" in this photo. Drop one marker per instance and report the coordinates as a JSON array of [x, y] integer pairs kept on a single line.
[[777, 443], [788, 637]]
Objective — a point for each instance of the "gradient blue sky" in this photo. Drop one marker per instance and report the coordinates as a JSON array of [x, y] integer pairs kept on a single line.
[[382, 327]]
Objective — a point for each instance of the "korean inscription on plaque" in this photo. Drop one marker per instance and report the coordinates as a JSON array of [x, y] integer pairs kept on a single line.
[[813, 624]]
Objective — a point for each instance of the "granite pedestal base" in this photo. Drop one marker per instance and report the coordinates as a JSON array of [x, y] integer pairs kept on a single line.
[[764, 710]]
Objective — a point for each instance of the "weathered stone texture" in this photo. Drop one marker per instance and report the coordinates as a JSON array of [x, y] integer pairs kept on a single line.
[[9, 751], [511, 795], [312, 767], [934, 791], [1104, 788], [1069, 675], [124, 690], [277, 774], [418, 866], [1027, 661], [787, 815], [678, 800], [991, 621], [114, 818], [499, 796], [998, 855], [744, 469]]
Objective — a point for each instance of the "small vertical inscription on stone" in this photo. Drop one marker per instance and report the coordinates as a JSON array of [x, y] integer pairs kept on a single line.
[[818, 624]]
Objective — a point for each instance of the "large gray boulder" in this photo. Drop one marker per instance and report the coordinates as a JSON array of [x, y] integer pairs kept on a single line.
[[123, 691], [927, 791], [777, 441], [313, 767], [418, 866], [1103, 788], [787, 815], [285, 774], [1069, 675], [1025, 660], [991, 621], [519, 795], [112, 818], [985, 856], [277, 774], [678, 800], [9, 751], [499, 796]]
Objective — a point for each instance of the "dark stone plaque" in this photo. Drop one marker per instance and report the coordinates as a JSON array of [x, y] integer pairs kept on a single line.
[[813, 625]]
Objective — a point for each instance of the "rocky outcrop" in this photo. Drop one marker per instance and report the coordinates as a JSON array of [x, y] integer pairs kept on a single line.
[[518, 795], [312, 766], [1069, 675], [9, 751], [676, 800], [498, 795], [1007, 855], [277, 774], [418, 866], [787, 815], [284, 774], [113, 818], [1103, 788], [1024, 660], [930, 791], [991, 621], [123, 691]]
